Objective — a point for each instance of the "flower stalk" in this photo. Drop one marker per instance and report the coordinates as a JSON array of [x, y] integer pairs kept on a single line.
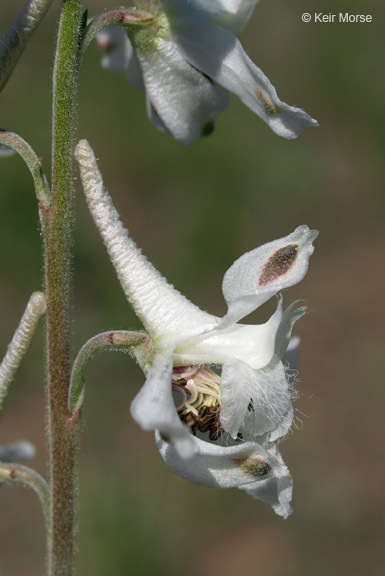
[[34, 163], [20, 343], [57, 235], [124, 17], [18, 474], [15, 39], [116, 341]]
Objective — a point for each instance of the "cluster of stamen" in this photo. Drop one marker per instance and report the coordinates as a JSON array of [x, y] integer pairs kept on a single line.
[[199, 408]]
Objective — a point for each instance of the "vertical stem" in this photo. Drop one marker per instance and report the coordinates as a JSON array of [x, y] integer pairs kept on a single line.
[[60, 427]]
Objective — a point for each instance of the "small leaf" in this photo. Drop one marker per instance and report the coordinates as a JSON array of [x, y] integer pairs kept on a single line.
[[82, 30]]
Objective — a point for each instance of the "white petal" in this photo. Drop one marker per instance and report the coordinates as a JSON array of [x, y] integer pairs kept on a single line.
[[119, 55], [253, 344], [291, 357], [163, 310], [276, 491], [257, 275], [290, 361], [220, 466], [253, 402], [289, 318], [153, 407], [218, 53], [283, 427], [185, 100]]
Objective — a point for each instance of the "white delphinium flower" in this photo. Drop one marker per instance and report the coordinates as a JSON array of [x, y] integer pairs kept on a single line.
[[187, 58], [17, 452], [210, 375]]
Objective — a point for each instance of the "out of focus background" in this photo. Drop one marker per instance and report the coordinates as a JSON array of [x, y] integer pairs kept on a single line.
[[194, 211]]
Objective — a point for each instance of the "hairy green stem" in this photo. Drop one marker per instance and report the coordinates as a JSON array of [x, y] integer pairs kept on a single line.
[[57, 234]]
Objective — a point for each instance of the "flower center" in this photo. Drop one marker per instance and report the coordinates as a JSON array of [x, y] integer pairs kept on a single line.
[[199, 408]]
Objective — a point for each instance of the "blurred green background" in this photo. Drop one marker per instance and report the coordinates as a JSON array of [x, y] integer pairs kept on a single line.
[[193, 211]]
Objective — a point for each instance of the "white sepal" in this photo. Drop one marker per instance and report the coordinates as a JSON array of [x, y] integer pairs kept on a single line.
[[276, 491], [154, 117], [231, 14], [263, 272], [216, 466], [217, 53], [184, 99], [153, 408]]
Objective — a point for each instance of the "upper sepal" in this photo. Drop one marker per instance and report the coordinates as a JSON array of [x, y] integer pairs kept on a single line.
[[164, 311]]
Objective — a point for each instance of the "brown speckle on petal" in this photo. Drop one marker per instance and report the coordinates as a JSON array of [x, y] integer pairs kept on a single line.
[[269, 107], [255, 466], [106, 46], [278, 264]]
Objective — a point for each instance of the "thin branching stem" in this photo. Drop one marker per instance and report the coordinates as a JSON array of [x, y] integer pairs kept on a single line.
[[15, 39], [20, 343], [116, 341], [34, 163], [129, 18], [18, 474]]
